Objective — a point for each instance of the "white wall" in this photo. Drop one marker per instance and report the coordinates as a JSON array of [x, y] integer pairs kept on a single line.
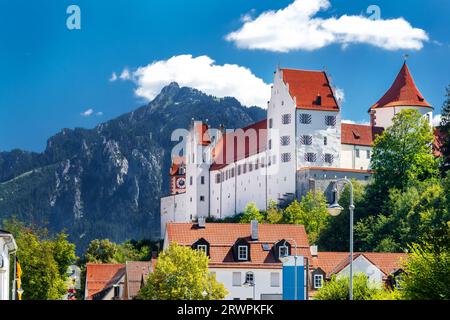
[[173, 209], [349, 159], [319, 131], [262, 280], [231, 196], [281, 176], [362, 265], [384, 116], [4, 272]]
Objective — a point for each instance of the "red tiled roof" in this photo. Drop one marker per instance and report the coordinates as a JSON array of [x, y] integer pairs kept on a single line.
[[222, 236], [438, 143], [136, 271], [360, 135], [334, 262], [306, 86], [176, 163], [403, 92], [101, 276], [203, 136], [221, 152]]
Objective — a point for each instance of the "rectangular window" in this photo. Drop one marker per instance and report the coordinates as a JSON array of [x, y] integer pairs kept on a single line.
[[274, 279], [237, 279], [285, 157], [191, 180], [245, 168], [202, 179], [243, 253], [270, 123], [250, 167], [318, 281], [286, 119], [368, 154], [283, 251], [232, 172], [270, 144], [203, 247], [306, 140], [310, 157], [239, 170], [357, 153], [305, 118], [285, 140], [257, 164], [330, 120], [325, 141], [328, 158], [250, 277], [202, 198], [218, 178]]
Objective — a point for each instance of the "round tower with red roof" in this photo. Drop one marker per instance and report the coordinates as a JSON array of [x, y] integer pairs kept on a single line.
[[403, 94]]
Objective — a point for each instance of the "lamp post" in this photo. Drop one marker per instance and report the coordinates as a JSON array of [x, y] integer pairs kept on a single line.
[[335, 209], [249, 284]]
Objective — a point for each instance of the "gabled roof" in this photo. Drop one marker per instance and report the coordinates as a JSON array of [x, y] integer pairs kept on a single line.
[[100, 277], [222, 236], [136, 272], [335, 262], [403, 92], [228, 149], [305, 86], [360, 135]]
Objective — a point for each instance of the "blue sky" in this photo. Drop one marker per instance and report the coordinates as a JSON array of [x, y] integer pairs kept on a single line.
[[51, 75]]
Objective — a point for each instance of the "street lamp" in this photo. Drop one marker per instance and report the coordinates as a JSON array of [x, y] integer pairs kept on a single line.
[[251, 283], [335, 209]]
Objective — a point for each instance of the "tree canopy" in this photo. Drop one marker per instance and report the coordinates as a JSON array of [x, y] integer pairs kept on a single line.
[[181, 273], [44, 261]]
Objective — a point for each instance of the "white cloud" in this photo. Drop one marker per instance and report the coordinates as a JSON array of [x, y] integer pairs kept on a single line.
[[89, 112], [365, 123], [125, 75], [339, 94], [203, 74], [113, 77], [437, 120], [296, 28]]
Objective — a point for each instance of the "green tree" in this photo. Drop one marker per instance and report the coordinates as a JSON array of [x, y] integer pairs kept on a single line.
[[182, 274], [412, 215], [251, 212], [445, 129], [311, 212], [44, 261], [101, 251], [336, 234], [274, 215], [427, 273], [338, 289], [403, 155]]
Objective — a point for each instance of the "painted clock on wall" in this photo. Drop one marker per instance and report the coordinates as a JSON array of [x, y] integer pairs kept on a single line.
[[181, 183]]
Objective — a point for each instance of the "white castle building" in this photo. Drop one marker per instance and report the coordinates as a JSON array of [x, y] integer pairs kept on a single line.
[[301, 146]]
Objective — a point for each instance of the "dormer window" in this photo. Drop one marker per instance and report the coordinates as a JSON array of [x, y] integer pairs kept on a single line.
[[242, 253], [201, 245], [318, 281], [283, 251]]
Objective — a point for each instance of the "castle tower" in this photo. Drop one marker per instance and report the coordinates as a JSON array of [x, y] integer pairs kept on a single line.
[[403, 94]]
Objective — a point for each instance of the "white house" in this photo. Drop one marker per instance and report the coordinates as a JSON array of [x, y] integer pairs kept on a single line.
[[8, 248], [303, 145], [241, 254]]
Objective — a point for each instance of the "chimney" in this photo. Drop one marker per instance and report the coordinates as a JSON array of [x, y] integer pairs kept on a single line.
[[254, 229], [313, 250], [202, 222]]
